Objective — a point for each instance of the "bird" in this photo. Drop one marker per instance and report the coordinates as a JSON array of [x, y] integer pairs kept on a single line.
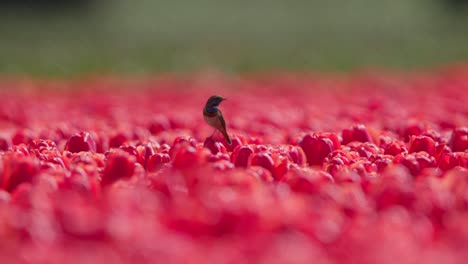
[[214, 117]]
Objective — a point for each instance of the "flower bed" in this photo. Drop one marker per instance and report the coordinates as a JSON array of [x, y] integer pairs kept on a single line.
[[340, 169]]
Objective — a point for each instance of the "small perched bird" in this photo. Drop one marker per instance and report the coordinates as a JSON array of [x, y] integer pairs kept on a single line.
[[214, 117]]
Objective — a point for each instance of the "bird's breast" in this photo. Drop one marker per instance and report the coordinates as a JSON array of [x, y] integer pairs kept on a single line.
[[209, 113], [212, 120]]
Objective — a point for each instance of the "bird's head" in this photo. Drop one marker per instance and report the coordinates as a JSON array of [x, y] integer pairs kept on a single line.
[[214, 100]]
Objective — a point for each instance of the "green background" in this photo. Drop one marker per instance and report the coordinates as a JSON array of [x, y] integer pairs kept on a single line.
[[148, 36]]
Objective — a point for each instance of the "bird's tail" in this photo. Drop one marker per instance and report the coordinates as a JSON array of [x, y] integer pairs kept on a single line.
[[226, 136]]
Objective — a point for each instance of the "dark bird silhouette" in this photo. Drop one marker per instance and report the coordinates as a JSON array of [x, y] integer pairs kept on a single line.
[[214, 117]]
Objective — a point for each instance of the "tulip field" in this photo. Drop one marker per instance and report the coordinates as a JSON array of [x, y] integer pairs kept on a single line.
[[363, 167]]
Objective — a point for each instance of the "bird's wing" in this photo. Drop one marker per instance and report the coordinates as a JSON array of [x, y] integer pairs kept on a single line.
[[223, 127], [221, 120]]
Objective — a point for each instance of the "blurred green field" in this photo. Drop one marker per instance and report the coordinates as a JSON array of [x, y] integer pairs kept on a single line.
[[146, 36]]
